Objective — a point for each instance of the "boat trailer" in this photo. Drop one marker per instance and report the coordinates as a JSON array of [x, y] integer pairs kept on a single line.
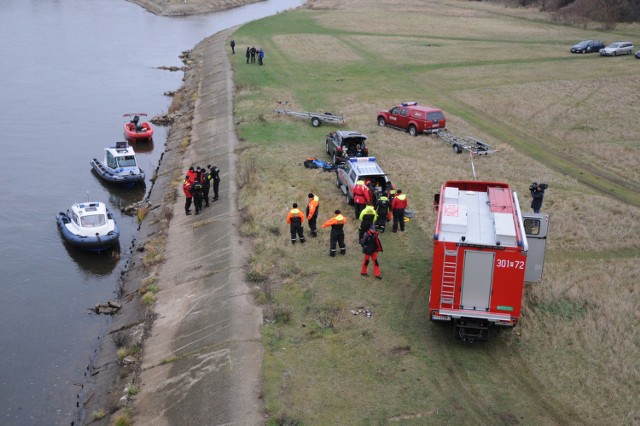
[[317, 118], [472, 145]]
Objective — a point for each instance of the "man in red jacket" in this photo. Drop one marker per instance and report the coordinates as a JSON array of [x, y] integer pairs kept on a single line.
[[186, 188], [361, 197], [398, 205]]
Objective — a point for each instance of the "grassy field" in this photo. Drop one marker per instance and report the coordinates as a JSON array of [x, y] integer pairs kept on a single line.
[[501, 75]]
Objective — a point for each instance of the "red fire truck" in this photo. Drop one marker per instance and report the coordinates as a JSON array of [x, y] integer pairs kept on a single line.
[[484, 250]]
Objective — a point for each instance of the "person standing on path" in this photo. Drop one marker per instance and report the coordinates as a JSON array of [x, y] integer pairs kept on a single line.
[[232, 43], [398, 205], [295, 219], [253, 54], [186, 188], [313, 208], [196, 191], [371, 246], [248, 53], [215, 174], [337, 233], [368, 218], [206, 185], [260, 56]]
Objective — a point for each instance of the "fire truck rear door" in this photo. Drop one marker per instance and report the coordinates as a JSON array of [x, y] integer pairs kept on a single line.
[[476, 280], [536, 226]]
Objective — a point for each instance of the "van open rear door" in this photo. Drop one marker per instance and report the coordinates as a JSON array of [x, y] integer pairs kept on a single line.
[[536, 226]]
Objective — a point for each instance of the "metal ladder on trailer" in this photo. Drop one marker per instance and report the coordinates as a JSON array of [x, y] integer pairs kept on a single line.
[[449, 274]]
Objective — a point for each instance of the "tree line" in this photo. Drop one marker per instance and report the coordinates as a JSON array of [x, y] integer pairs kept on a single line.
[[609, 12]]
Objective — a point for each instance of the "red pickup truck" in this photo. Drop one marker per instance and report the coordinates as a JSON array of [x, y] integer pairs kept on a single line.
[[413, 118]]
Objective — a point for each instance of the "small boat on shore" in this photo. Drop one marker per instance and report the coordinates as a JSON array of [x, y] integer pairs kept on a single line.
[[89, 226], [119, 165], [136, 130]]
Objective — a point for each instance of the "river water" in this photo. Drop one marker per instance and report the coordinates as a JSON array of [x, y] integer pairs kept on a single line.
[[70, 70]]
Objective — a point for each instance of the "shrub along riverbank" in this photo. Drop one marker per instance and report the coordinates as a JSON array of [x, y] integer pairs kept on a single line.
[[567, 120]]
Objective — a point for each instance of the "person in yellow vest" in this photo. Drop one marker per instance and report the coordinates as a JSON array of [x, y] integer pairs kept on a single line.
[[295, 219], [368, 217], [337, 233], [313, 207]]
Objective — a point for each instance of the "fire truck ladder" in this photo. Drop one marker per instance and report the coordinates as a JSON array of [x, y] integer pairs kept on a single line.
[[449, 273]]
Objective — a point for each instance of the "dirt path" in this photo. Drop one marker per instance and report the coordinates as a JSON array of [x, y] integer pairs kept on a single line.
[[207, 325]]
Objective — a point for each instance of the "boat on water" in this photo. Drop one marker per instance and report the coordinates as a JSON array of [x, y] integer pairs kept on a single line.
[[89, 226], [136, 130], [119, 165]]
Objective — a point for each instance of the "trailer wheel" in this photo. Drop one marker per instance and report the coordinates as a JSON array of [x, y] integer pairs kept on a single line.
[[381, 122], [457, 148], [413, 131], [316, 122]]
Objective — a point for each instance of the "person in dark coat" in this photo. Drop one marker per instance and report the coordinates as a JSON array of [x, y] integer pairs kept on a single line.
[[196, 190], [232, 43], [371, 246], [206, 185], [248, 53], [295, 219], [383, 210], [215, 174], [537, 193], [253, 54], [337, 233]]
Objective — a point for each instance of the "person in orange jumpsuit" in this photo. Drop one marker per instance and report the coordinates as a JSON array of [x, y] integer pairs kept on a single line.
[[371, 246], [295, 219], [313, 207], [337, 233]]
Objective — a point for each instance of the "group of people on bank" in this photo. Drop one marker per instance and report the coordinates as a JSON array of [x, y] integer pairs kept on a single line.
[[196, 186], [373, 214]]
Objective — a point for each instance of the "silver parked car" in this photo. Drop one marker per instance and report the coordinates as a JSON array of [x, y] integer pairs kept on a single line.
[[618, 48]]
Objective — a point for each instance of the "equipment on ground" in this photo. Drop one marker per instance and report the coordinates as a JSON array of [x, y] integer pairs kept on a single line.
[[472, 145], [317, 118]]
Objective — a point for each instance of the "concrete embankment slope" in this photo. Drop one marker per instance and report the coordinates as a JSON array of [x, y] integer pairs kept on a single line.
[[203, 357]]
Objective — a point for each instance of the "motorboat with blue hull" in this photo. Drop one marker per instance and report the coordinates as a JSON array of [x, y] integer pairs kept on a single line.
[[89, 226], [119, 165]]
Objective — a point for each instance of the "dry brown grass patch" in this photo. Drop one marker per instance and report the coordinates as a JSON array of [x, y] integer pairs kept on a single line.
[[312, 48]]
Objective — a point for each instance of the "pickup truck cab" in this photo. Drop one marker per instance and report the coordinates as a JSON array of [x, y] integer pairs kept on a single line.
[[361, 168], [413, 118], [344, 144]]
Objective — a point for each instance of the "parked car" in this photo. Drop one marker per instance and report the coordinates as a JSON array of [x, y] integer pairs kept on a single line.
[[363, 168], [638, 54], [617, 48], [345, 144], [413, 118], [588, 46]]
